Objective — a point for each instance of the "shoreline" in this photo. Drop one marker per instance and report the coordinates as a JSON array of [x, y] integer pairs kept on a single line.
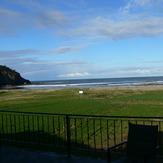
[[133, 88]]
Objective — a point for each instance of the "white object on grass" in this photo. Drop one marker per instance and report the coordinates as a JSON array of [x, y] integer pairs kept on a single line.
[[81, 92]]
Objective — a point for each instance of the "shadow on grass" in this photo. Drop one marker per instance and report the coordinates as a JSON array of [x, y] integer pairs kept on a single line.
[[39, 140], [50, 142]]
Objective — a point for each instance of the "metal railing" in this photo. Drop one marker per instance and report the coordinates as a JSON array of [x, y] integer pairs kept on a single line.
[[79, 132]]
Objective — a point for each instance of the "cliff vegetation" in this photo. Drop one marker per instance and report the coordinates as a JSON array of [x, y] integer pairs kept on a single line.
[[9, 77]]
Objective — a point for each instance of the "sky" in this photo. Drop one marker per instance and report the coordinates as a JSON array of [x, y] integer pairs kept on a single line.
[[74, 39]]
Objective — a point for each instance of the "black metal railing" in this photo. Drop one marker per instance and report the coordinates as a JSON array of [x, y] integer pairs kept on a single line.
[[79, 132]]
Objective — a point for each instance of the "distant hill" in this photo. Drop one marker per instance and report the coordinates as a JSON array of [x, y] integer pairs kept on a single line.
[[11, 77]]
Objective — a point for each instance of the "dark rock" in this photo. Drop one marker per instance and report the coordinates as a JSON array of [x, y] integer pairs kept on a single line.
[[11, 77]]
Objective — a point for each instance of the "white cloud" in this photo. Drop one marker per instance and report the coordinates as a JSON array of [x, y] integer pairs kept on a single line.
[[135, 72], [57, 51], [14, 21], [154, 61], [5, 12], [101, 28], [125, 72], [142, 2], [141, 6], [51, 19], [8, 19], [75, 75], [134, 4], [33, 68], [12, 53], [65, 50], [97, 27], [150, 3]]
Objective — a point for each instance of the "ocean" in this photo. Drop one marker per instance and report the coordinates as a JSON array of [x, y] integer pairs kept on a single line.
[[103, 82]]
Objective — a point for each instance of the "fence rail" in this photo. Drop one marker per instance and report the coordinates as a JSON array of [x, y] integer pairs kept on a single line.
[[79, 132]]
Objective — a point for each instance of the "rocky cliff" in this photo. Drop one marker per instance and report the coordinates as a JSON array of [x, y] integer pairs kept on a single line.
[[11, 77]]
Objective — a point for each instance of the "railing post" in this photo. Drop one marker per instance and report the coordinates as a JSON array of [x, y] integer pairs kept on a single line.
[[108, 155], [68, 135], [1, 130]]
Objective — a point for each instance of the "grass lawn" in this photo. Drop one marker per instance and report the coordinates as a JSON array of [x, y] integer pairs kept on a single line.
[[117, 102]]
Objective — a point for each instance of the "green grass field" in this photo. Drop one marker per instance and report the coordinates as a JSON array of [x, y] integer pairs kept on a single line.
[[93, 102], [85, 133]]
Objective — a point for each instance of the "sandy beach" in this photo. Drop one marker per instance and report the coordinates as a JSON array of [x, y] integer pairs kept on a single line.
[[143, 88], [133, 88]]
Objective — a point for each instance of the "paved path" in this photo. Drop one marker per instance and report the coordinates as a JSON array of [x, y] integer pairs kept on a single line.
[[9, 154]]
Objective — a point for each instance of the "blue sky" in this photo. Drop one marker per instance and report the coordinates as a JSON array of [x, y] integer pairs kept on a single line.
[[73, 39]]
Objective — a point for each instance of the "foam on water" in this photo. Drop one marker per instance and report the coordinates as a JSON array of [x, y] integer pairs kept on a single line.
[[107, 82]]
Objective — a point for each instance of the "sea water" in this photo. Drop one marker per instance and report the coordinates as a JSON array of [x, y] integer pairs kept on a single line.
[[103, 82]]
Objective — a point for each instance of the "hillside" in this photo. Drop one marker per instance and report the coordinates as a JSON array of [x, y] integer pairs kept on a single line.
[[11, 77]]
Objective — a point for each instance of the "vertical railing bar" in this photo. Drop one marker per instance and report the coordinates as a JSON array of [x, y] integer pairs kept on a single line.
[[108, 139], [15, 134], [94, 129], [136, 121], [29, 138], [33, 129], [68, 136], [4, 126], [63, 133], [122, 133], [65, 129], [101, 134], [10, 128], [121, 124], [75, 134], [2, 129], [20, 127], [7, 126], [128, 121], [19, 130], [42, 132], [38, 127], [59, 134], [114, 133], [105, 135], [160, 140], [88, 133], [48, 132], [24, 128], [81, 124], [61, 129], [53, 131]]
